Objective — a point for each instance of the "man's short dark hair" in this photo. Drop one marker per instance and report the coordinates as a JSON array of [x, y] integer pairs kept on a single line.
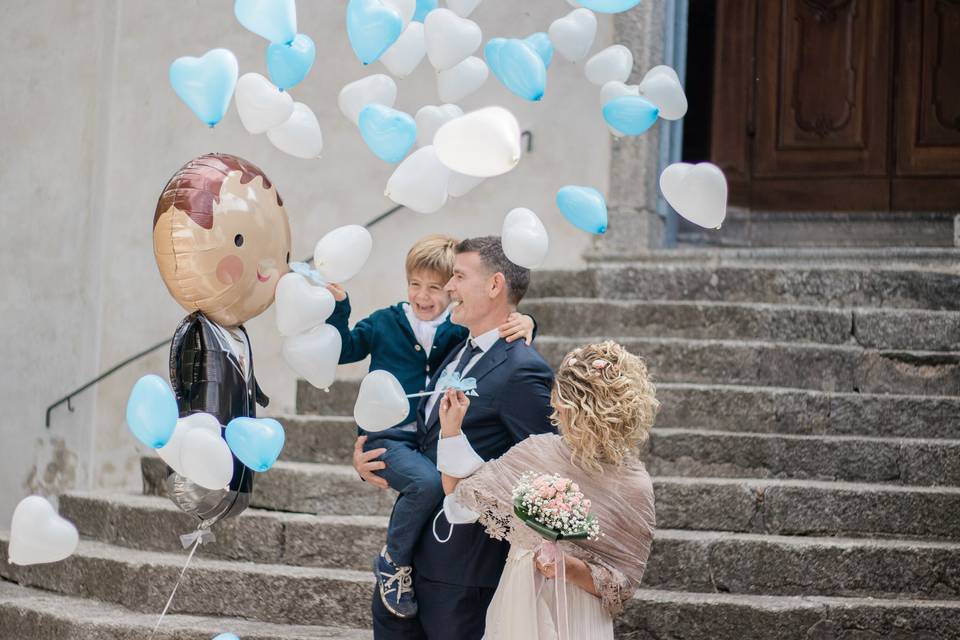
[[495, 260]]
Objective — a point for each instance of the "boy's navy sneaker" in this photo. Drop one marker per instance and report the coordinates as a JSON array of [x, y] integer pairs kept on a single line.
[[395, 585]]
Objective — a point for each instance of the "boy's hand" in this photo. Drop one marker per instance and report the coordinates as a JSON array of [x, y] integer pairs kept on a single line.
[[366, 462], [517, 326], [339, 293]]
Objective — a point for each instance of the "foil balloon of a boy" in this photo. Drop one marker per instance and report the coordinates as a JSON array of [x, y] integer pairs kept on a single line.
[[222, 242]]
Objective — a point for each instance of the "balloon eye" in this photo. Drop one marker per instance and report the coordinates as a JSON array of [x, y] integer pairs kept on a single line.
[[238, 240], [288, 257]]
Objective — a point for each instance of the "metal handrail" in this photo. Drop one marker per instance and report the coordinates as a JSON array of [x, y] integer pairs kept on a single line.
[[67, 398]]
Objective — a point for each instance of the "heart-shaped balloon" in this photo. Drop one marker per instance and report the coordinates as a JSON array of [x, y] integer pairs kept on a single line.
[[524, 238], [482, 143], [381, 403], [585, 207], [573, 34], [206, 83], [257, 442], [460, 184], [666, 93], [449, 38], [631, 115], [375, 89], [453, 85], [171, 452], [300, 305], [423, 8], [38, 534], [152, 411], [615, 89], [609, 6], [275, 20], [289, 64], [540, 42], [389, 133], [314, 355], [261, 105], [463, 8], [662, 69], [406, 53], [420, 182], [341, 253], [372, 28], [696, 192], [406, 9], [613, 63], [300, 135], [518, 66], [430, 118], [206, 459], [227, 636]]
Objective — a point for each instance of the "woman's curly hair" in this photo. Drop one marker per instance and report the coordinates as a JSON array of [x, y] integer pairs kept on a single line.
[[604, 404]]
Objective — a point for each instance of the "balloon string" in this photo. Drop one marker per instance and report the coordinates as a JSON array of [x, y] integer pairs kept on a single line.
[[193, 549]]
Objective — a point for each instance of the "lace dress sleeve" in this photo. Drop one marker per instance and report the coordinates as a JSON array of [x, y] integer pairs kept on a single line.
[[615, 589], [484, 493]]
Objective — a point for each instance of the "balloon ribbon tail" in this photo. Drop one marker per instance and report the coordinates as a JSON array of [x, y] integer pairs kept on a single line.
[[193, 550]]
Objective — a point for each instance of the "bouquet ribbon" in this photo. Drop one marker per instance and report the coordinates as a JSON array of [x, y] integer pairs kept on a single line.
[[550, 553]]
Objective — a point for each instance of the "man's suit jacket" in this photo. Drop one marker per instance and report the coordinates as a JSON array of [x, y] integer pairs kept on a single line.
[[513, 402]]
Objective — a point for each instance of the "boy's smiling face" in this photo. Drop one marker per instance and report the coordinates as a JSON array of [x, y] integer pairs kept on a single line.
[[426, 295]]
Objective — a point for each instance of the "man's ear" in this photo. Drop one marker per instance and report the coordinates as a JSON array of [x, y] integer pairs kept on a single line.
[[498, 283]]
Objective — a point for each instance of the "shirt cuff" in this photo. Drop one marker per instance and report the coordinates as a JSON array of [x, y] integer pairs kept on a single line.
[[456, 513], [456, 458]]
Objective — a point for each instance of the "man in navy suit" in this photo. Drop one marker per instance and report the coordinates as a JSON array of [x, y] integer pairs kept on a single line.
[[455, 580]]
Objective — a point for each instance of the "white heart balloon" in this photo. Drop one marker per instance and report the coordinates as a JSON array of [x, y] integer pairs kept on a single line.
[[376, 89], [406, 9], [300, 136], [314, 355], [662, 69], [171, 453], [420, 182], [38, 534], [482, 143], [406, 53], [432, 117], [450, 39], [524, 238], [461, 184], [696, 192], [666, 94], [615, 89], [206, 459], [573, 35], [261, 105], [463, 8], [341, 253], [613, 63], [301, 305], [453, 85], [381, 403]]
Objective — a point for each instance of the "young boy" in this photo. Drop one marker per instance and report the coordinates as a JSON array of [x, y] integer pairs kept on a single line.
[[410, 340]]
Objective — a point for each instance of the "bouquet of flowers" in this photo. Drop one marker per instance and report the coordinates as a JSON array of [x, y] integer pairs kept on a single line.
[[554, 507]]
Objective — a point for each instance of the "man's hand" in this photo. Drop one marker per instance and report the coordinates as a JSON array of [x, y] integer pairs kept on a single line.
[[366, 462], [453, 407], [339, 293], [516, 327]]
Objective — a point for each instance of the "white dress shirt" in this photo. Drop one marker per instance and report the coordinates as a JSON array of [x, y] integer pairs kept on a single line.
[[234, 339], [485, 341], [424, 330]]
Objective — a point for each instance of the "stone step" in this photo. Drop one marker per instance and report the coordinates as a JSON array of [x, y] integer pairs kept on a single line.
[[801, 507], [699, 561], [32, 614], [688, 452], [323, 439], [732, 408], [816, 285], [870, 328], [819, 367]]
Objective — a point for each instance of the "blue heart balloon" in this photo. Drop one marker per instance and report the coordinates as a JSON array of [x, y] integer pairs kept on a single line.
[[609, 6], [257, 442], [518, 66], [423, 8], [584, 207], [289, 64], [372, 28], [389, 133], [206, 83], [152, 411], [275, 20], [631, 115], [227, 636], [540, 42]]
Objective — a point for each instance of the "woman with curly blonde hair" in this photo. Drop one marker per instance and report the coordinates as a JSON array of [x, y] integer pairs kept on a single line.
[[604, 407]]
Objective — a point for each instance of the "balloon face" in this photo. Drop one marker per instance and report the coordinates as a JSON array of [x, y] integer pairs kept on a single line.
[[38, 534], [221, 238]]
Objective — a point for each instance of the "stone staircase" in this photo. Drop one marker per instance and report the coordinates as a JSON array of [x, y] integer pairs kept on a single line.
[[806, 466]]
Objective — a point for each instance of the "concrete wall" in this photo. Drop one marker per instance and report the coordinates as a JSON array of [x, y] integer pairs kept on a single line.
[[90, 133]]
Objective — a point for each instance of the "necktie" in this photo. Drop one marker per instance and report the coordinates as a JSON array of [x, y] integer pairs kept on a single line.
[[471, 350]]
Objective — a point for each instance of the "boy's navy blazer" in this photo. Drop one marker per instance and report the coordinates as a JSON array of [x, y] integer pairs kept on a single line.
[[513, 402]]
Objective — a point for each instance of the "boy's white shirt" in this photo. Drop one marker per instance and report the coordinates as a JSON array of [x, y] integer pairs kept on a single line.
[[424, 330]]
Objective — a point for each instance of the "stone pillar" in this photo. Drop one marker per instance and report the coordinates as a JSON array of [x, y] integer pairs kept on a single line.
[[634, 225]]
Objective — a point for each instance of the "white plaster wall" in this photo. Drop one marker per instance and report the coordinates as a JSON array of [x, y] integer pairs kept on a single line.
[[91, 132]]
